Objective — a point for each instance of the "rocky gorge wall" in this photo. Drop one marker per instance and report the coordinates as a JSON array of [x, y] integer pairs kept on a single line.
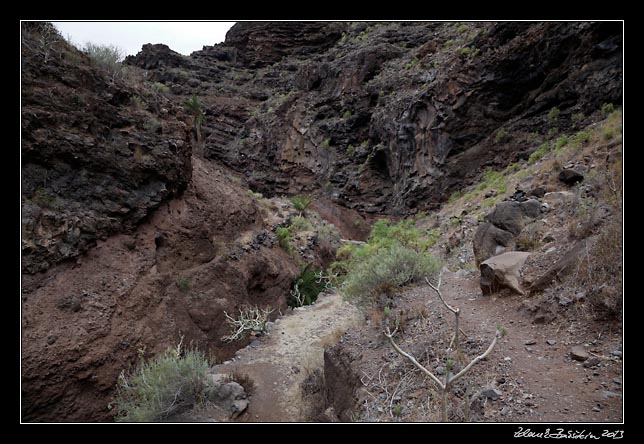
[[388, 117]]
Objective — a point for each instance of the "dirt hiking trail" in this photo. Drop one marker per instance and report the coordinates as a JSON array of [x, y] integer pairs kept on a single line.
[[279, 362]]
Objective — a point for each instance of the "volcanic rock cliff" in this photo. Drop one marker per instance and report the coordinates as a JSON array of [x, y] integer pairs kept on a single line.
[[388, 117]]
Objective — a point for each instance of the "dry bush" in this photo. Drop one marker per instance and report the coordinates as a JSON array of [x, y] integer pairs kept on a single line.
[[244, 380]]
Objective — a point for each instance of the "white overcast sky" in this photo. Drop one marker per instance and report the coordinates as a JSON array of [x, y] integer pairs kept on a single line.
[[182, 37]]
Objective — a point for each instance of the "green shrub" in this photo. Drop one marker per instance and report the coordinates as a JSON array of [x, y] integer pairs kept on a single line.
[[326, 143], [388, 267], [160, 88], [580, 138], [454, 196], [538, 153], [152, 125], [183, 283], [501, 135], [577, 117], [301, 203], [351, 150], [462, 28], [299, 223], [106, 57], [306, 287], [553, 114], [609, 133], [607, 108], [170, 382], [284, 238], [561, 142], [346, 114]]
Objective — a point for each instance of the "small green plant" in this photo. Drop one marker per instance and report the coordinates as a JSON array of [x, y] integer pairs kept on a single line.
[[501, 329], [284, 238], [553, 115], [346, 114], [351, 150], [580, 138], [397, 410], [299, 223], [183, 283], [152, 125], [172, 381], [326, 143], [577, 117], [561, 142], [454, 196], [301, 203], [306, 287], [501, 135], [609, 133], [449, 42], [160, 88], [607, 108], [412, 63], [195, 108], [538, 153], [462, 28], [137, 102], [253, 195], [467, 51], [386, 310]]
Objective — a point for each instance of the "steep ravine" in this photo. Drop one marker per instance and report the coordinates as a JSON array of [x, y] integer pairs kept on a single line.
[[131, 238]]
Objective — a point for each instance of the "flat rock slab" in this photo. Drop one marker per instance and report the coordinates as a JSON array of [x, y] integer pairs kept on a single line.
[[578, 353], [502, 271]]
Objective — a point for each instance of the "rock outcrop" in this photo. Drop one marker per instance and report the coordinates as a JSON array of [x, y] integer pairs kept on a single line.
[[502, 225], [94, 163], [502, 271], [390, 117]]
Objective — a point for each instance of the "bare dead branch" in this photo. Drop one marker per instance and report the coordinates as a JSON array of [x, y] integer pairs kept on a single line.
[[413, 360], [497, 335]]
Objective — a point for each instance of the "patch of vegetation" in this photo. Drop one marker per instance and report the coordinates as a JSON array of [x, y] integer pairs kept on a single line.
[[152, 125], [394, 255], [553, 115], [607, 108], [160, 88], [449, 42], [539, 152], [609, 133], [387, 269], [255, 196], [301, 203], [493, 179], [137, 102], [172, 381], [351, 150], [462, 28], [306, 287], [183, 283], [501, 135], [577, 117], [561, 142], [526, 242], [326, 143], [106, 57], [346, 114], [413, 62], [580, 138], [299, 223], [467, 51], [454, 196], [284, 238]]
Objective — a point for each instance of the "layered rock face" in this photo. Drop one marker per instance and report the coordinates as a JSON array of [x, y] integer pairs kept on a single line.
[[390, 117], [93, 162]]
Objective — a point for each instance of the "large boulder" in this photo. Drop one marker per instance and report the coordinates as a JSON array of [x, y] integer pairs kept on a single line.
[[502, 271], [502, 225]]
